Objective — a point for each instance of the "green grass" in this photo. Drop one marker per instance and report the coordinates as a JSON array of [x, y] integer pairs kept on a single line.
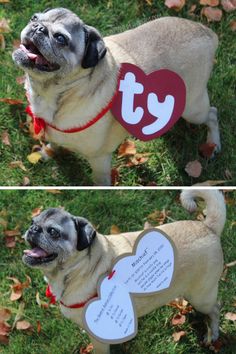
[[170, 153], [128, 210]]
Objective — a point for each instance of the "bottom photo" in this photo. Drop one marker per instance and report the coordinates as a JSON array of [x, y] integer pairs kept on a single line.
[[117, 271]]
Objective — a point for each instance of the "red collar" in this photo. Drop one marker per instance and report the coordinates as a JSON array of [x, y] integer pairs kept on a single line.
[[52, 297], [40, 124]]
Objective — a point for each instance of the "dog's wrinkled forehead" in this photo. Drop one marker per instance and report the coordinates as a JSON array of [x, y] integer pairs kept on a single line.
[[61, 16], [56, 216]]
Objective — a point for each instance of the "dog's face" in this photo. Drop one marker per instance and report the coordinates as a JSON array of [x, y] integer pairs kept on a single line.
[[56, 42], [55, 236]]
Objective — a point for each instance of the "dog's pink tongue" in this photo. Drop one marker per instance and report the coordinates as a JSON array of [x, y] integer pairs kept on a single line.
[[36, 252]]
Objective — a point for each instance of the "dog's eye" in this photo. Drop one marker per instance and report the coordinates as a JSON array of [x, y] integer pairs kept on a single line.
[[53, 232], [60, 38], [34, 18]]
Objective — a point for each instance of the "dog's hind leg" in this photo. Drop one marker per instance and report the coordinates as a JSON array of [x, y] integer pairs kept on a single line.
[[207, 304], [199, 111], [101, 168], [99, 347]]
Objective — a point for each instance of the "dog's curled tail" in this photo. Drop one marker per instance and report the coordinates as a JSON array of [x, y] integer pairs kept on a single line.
[[215, 206]]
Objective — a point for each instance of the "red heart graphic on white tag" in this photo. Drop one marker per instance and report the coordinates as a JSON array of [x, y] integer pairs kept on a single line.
[[147, 106]]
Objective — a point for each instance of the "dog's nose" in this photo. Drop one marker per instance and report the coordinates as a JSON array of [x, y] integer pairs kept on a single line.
[[38, 27], [35, 229]]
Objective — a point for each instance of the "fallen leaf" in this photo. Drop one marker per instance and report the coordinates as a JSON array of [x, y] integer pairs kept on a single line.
[[4, 1], [211, 3], [159, 216], [207, 149], [11, 101], [5, 314], [177, 335], [20, 80], [137, 159], [11, 233], [231, 264], [36, 211], [182, 305], [41, 303], [3, 223], [149, 2], [19, 314], [23, 325], [127, 148], [39, 327], [115, 174], [10, 242], [212, 14], [34, 157], [18, 287], [54, 191], [2, 42], [228, 5], [4, 339], [17, 164], [228, 173], [193, 168], [230, 316], [114, 230], [4, 25], [178, 319], [5, 138], [15, 44], [232, 25], [4, 332], [86, 350], [177, 5], [26, 181], [192, 9]]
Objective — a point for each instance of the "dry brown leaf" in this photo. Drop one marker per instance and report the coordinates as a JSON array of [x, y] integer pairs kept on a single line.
[[54, 191], [211, 183], [18, 287], [11, 101], [177, 335], [115, 174], [39, 327], [193, 168], [192, 9], [127, 148], [12, 233], [4, 1], [230, 316], [4, 332], [23, 325], [228, 5], [17, 164], [159, 216], [2, 42], [149, 2], [177, 5], [4, 339], [15, 44], [10, 242], [4, 25], [232, 25], [211, 3], [207, 149], [212, 14], [26, 181], [86, 350], [5, 314], [40, 302], [36, 211], [114, 230], [20, 80], [5, 138], [178, 320]]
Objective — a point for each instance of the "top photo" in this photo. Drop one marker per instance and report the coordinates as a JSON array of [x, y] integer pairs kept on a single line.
[[117, 93]]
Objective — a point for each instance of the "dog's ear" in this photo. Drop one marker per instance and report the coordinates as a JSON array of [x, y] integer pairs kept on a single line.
[[85, 233], [95, 48]]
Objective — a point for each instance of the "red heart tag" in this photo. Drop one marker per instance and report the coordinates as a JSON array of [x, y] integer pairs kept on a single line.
[[147, 106]]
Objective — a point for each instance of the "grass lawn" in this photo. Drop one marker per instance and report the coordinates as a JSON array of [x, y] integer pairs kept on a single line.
[[170, 153], [128, 210]]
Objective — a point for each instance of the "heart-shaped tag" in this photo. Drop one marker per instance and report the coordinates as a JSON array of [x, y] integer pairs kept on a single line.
[[111, 318], [151, 268], [147, 106], [148, 270]]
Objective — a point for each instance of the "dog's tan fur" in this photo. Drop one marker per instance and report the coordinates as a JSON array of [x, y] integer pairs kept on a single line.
[[72, 100], [198, 268]]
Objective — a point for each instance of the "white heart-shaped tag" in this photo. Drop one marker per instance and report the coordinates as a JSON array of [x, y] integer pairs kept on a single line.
[[111, 318], [151, 268]]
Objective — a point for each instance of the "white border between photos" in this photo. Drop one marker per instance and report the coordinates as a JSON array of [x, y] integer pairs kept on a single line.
[[229, 188]]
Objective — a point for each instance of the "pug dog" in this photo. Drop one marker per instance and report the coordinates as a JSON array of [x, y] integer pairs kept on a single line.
[[73, 256], [72, 72]]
